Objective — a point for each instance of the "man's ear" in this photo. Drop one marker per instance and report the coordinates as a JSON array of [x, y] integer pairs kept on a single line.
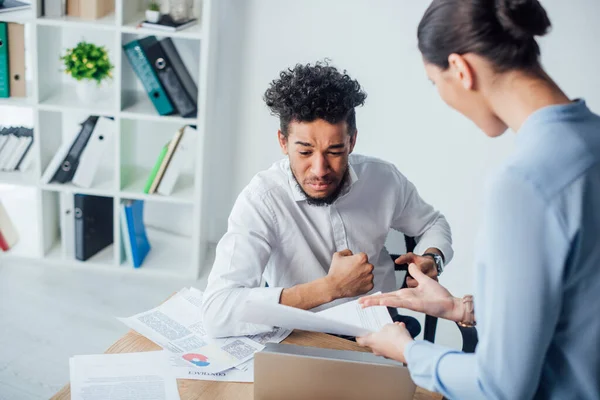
[[353, 141], [282, 142]]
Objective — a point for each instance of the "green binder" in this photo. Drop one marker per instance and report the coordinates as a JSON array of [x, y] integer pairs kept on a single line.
[[156, 167], [4, 74], [141, 66]]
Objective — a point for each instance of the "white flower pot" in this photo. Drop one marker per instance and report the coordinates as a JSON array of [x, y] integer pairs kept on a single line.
[[152, 16], [88, 91]]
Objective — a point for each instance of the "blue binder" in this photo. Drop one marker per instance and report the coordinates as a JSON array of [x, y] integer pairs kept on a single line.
[[140, 246], [141, 66]]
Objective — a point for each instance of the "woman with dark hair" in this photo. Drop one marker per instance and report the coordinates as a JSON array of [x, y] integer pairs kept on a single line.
[[537, 265]]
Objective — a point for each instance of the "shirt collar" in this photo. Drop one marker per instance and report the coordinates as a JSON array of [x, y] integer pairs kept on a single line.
[[297, 193], [575, 109]]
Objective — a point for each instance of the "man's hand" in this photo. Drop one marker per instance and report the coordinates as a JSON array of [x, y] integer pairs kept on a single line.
[[349, 275], [428, 297], [388, 342], [425, 264]]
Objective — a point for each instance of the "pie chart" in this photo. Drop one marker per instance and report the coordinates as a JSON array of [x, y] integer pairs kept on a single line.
[[198, 360]]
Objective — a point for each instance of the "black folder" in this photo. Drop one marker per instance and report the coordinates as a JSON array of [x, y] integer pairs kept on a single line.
[[69, 165], [182, 72], [93, 224], [185, 105]]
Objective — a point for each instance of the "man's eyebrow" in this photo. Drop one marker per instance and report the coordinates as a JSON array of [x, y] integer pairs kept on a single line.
[[337, 146], [304, 144]]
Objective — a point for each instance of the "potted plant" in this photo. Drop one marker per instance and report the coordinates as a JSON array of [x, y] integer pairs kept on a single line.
[[153, 12], [90, 66]]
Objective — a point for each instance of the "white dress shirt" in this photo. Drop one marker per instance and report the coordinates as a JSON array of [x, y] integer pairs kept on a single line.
[[273, 232]]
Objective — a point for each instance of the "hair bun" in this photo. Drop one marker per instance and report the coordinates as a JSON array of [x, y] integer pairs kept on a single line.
[[522, 19]]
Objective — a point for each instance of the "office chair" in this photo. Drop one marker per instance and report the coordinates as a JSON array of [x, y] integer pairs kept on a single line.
[[469, 335]]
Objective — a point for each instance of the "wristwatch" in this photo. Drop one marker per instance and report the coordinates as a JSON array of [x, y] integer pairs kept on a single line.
[[439, 261]]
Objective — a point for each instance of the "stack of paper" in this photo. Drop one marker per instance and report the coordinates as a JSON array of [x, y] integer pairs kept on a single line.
[[346, 319], [144, 375], [177, 326]]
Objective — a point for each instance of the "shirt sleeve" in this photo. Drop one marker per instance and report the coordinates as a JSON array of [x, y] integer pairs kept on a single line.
[[241, 257], [414, 217], [523, 248]]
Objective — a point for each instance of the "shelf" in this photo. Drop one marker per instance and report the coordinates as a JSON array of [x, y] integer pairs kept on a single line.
[[66, 99], [18, 178], [104, 185], [18, 101], [19, 16], [169, 254], [55, 252], [134, 27], [183, 192], [141, 108], [104, 257], [107, 23]]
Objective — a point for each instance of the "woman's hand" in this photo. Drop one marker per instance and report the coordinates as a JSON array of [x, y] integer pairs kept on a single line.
[[428, 297], [388, 342]]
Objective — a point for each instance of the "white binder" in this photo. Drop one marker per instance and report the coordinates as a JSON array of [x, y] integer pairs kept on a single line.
[[94, 151], [181, 157], [67, 225]]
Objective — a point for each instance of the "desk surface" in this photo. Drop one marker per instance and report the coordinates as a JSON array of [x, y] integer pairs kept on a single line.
[[198, 390]]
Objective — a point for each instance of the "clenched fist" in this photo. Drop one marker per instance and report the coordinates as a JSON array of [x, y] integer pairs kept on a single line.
[[349, 275]]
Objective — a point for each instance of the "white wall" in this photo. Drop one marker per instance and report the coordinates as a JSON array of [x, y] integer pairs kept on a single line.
[[403, 120]]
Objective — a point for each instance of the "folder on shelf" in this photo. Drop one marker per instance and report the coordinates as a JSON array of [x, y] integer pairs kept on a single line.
[[135, 239], [74, 8], [93, 225], [91, 156], [54, 8], [166, 160], [67, 224], [64, 163], [4, 65], [16, 58], [161, 63], [141, 66], [8, 233], [179, 160], [154, 172], [95, 9], [21, 164], [126, 254], [182, 72]]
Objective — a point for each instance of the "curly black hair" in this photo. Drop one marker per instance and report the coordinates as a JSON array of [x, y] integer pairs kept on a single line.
[[308, 92]]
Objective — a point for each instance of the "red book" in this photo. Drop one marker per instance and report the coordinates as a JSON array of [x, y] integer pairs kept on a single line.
[[3, 244]]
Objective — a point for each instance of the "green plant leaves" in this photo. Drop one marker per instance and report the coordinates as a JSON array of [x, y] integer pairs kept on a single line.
[[87, 61]]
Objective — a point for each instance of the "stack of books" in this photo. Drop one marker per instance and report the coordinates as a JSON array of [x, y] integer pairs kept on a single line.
[[78, 159], [85, 9], [167, 23], [8, 233], [15, 143], [12, 60], [174, 156], [165, 78]]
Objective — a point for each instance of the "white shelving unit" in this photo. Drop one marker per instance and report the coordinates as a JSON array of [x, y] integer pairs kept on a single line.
[[176, 224]]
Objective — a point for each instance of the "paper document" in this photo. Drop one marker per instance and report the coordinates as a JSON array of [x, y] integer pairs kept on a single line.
[[372, 318], [177, 326], [346, 319], [141, 376]]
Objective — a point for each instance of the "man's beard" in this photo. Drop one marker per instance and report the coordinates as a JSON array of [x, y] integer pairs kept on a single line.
[[323, 201]]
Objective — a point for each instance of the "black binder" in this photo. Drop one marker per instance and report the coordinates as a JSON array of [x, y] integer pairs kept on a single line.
[[93, 224], [185, 105], [69, 165], [182, 72]]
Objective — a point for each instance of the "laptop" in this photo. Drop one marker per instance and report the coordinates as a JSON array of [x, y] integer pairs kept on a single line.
[[284, 371]]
